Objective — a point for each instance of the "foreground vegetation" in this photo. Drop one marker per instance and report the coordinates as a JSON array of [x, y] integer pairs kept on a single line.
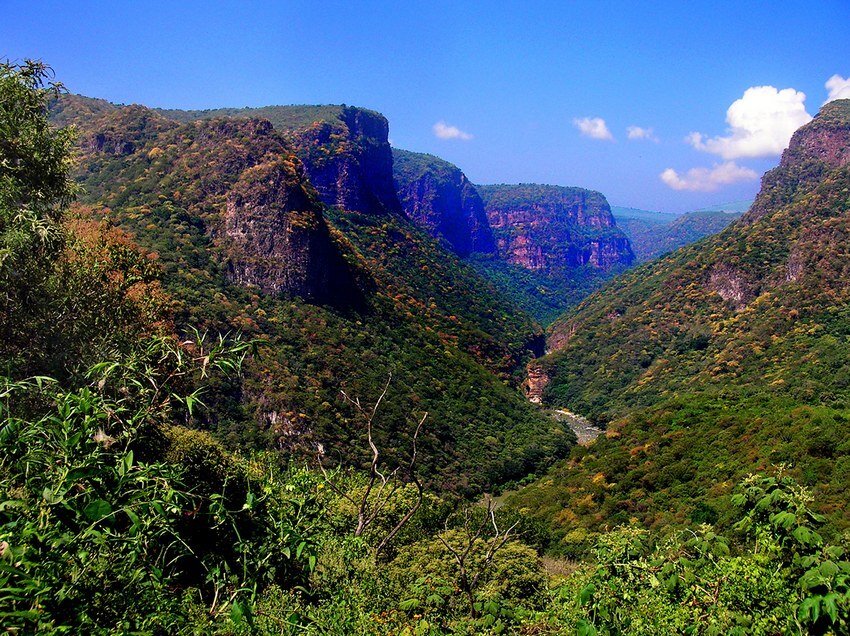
[[114, 520]]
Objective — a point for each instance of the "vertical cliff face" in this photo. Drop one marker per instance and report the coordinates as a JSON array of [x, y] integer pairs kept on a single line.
[[277, 239], [536, 380], [349, 161], [231, 182], [437, 196], [552, 228]]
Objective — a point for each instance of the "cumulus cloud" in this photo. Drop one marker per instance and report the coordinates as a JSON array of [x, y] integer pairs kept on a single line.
[[593, 127], [638, 133], [444, 131], [838, 87], [708, 179], [760, 124]]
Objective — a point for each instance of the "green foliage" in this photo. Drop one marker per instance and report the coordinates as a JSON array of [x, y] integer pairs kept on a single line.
[[90, 510], [779, 579], [114, 519], [34, 190], [34, 163], [654, 233], [544, 297], [428, 573], [282, 117], [56, 271]]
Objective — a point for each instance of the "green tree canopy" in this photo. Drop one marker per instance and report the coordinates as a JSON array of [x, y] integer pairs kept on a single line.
[[34, 191]]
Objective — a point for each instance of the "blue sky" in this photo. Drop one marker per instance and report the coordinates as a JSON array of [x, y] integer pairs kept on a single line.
[[547, 92]]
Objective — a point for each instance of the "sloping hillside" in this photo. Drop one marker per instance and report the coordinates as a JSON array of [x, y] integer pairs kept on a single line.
[[653, 234], [719, 359]]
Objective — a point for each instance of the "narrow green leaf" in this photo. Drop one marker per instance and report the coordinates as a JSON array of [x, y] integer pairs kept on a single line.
[[236, 613]]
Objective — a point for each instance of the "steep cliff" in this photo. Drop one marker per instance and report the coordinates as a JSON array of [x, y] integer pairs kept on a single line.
[[553, 229], [437, 196], [345, 150], [784, 252], [349, 161], [278, 240], [821, 146], [244, 240]]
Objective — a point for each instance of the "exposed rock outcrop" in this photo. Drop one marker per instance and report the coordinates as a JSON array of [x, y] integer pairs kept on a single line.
[[349, 161], [535, 383], [730, 286], [553, 228], [437, 196], [818, 147], [236, 180], [278, 239]]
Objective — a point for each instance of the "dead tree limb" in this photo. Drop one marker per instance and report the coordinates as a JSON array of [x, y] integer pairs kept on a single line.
[[380, 487]]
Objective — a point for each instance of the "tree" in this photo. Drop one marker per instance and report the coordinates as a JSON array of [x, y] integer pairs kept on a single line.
[[472, 544], [35, 190], [73, 291]]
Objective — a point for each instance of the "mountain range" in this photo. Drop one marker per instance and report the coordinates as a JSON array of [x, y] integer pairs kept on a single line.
[[295, 236], [301, 226], [653, 234]]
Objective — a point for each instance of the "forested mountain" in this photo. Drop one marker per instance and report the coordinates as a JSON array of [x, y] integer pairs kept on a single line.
[[653, 234], [341, 297], [719, 359], [544, 247]]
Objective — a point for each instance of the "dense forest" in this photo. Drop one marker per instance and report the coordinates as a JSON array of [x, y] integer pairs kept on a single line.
[[198, 439]]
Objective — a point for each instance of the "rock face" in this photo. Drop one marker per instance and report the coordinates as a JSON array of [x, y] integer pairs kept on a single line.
[[437, 196], [235, 180], [552, 228], [278, 239], [765, 283], [536, 380], [349, 161], [730, 286]]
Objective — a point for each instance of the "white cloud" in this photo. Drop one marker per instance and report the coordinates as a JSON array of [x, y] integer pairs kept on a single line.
[[636, 133], [708, 179], [838, 87], [444, 131], [593, 127], [760, 124]]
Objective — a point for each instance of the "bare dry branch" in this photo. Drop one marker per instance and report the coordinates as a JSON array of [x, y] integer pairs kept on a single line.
[[419, 494], [380, 487]]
